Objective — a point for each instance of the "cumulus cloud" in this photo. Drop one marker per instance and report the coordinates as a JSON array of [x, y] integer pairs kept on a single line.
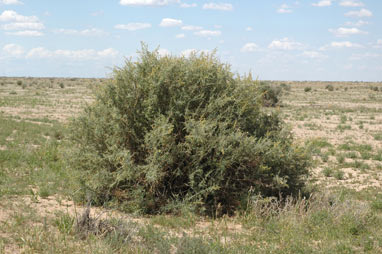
[[109, 52], [147, 2], [323, 3], [192, 28], [180, 36], [284, 8], [285, 44], [167, 22], [28, 25], [26, 33], [341, 44], [85, 32], [359, 23], [378, 44], [249, 47], [39, 52], [12, 16], [13, 49], [23, 26], [351, 3], [366, 55], [218, 6], [361, 13], [185, 5], [84, 54], [314, 55], [342, 32], [9, 2], [133, 26], [208, 33]]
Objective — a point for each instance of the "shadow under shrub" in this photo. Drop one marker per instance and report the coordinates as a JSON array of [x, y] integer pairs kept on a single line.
[[167, 132]]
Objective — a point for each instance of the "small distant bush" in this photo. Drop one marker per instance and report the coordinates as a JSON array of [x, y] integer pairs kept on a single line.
[[62, 85], [378, 136], [307, 89], [329, 87], [19, 82], [374, 88], [286, 87], [173, 132], [270, 93]]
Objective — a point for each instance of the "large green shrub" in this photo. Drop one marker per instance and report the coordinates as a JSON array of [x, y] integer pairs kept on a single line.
[[170, 131]]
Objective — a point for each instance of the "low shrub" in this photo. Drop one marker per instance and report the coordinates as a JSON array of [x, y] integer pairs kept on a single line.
[[270, 94], [169, 132], [307, 89], [329, 88]]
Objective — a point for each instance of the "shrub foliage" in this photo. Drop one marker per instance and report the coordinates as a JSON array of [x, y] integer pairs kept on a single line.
[[170, 131]]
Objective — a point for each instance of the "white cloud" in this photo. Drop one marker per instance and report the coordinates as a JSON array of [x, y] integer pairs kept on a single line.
[[167, 22], [27, 24], [366, 55], [323, 3], [249, 47], [185, 5], [359, 23], [314, 55], [180, 36], [13, 49], [248, 29], [285, 44], [9, 2], [192, 28], [23, 26], [208, 33], [361, 13], [341, 44], [110, 52], [26, 33], [84, 54], [378, 44], [342, 32], [147, 2], [12, 16], [39, 52], [133, 26], [284, 8], [351, 3], [85, 32], [218, 6]]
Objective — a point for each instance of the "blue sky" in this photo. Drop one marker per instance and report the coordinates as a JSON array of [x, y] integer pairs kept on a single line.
[[274, 39]]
